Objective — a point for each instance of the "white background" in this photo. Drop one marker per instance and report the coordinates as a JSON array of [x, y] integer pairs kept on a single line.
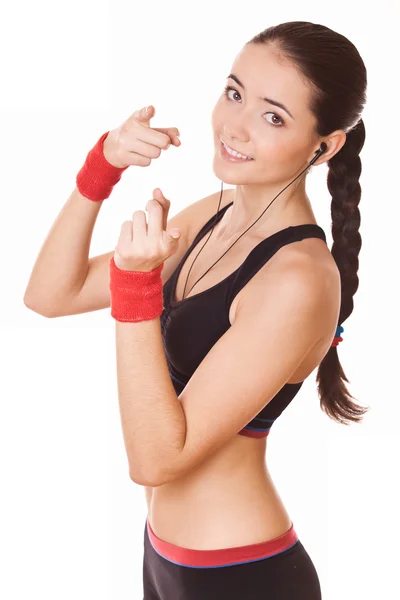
[[72, 521]]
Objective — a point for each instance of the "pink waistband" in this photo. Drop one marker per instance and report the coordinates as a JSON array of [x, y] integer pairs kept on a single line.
[[224, 556]]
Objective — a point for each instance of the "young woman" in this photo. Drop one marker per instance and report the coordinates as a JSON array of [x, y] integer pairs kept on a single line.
[[204, 374]]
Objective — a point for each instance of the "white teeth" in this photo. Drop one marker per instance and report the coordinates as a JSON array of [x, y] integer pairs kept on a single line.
[[234, 153]]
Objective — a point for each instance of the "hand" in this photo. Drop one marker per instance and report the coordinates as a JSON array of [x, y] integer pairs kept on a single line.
[[136, 143], [142, 246]]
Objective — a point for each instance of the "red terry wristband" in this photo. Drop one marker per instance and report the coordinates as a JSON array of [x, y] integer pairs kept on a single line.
[[135, 295], [97, 176]]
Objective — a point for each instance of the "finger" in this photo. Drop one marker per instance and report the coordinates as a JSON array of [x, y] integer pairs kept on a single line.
[[139, 121], [155, 223], [172, 132], [165, 203], [144, 149], [143, 115], [145, 133], [137, 159], [126, 232], [152, 136], [139, 226]]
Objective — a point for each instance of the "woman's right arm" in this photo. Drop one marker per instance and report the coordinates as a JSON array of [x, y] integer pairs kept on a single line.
[[62, 269], [65, 281], [62, 264]]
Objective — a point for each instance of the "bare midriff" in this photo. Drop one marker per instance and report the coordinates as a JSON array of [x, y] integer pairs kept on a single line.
[[229, 500]]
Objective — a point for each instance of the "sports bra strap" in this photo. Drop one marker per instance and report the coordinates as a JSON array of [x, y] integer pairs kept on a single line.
[[262, 253]]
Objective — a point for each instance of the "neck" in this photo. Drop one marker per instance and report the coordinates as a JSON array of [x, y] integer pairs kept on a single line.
[[291, 207]]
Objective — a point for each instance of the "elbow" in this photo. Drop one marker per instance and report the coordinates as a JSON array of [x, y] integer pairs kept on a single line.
[[153, 479], [37, 308], [148, 477], [145, 481]]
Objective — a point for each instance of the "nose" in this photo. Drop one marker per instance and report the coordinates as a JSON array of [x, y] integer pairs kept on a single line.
[[235, 126], [235, 131]]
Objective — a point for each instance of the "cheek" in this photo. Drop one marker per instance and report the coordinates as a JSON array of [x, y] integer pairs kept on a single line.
[[273, 145], [288, 153]]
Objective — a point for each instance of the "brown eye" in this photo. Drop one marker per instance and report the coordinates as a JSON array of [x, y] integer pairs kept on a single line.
[[274, 122], [230, 89]]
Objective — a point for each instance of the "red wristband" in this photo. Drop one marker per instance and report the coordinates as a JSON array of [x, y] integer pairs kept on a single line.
[[135, 295], [97, 176]]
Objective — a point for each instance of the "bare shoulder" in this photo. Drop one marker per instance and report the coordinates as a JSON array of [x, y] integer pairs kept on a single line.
[[311, 263]]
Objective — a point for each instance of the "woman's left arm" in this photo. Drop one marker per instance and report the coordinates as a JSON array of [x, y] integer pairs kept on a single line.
[[153, 421]]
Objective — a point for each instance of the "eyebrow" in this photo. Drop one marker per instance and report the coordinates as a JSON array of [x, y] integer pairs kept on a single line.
[[274, 102]]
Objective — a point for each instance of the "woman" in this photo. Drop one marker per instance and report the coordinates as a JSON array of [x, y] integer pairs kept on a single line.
[[197, 408]]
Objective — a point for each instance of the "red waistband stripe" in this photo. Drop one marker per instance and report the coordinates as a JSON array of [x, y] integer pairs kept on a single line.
[[223, 557]]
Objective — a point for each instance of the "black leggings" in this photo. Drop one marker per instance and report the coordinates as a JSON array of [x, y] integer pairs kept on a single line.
[[278, 569]]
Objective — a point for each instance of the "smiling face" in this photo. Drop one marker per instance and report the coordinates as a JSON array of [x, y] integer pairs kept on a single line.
[[279, 142]]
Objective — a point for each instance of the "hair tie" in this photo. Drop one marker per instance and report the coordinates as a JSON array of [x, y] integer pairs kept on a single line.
[[337, 339]]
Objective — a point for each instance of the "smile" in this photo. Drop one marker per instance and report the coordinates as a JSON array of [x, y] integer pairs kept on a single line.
[[230, 154]]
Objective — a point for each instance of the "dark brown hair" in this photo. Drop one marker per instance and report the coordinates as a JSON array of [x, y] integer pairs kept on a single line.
[[336, 74]]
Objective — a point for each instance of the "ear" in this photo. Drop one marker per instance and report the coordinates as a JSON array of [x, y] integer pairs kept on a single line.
[[335, 142]]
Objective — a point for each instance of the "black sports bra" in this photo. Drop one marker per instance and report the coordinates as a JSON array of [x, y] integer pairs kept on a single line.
[[192, 326]]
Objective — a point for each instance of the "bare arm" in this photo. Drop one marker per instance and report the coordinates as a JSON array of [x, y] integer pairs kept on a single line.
[[62, 264]]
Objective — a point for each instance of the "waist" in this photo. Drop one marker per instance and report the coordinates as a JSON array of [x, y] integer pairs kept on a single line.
[[212, 512]]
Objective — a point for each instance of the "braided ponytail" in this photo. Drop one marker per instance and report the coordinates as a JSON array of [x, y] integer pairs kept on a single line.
[[344, 187]]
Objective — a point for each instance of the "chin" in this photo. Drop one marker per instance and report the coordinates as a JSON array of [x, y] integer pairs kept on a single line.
[[228, 173]]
